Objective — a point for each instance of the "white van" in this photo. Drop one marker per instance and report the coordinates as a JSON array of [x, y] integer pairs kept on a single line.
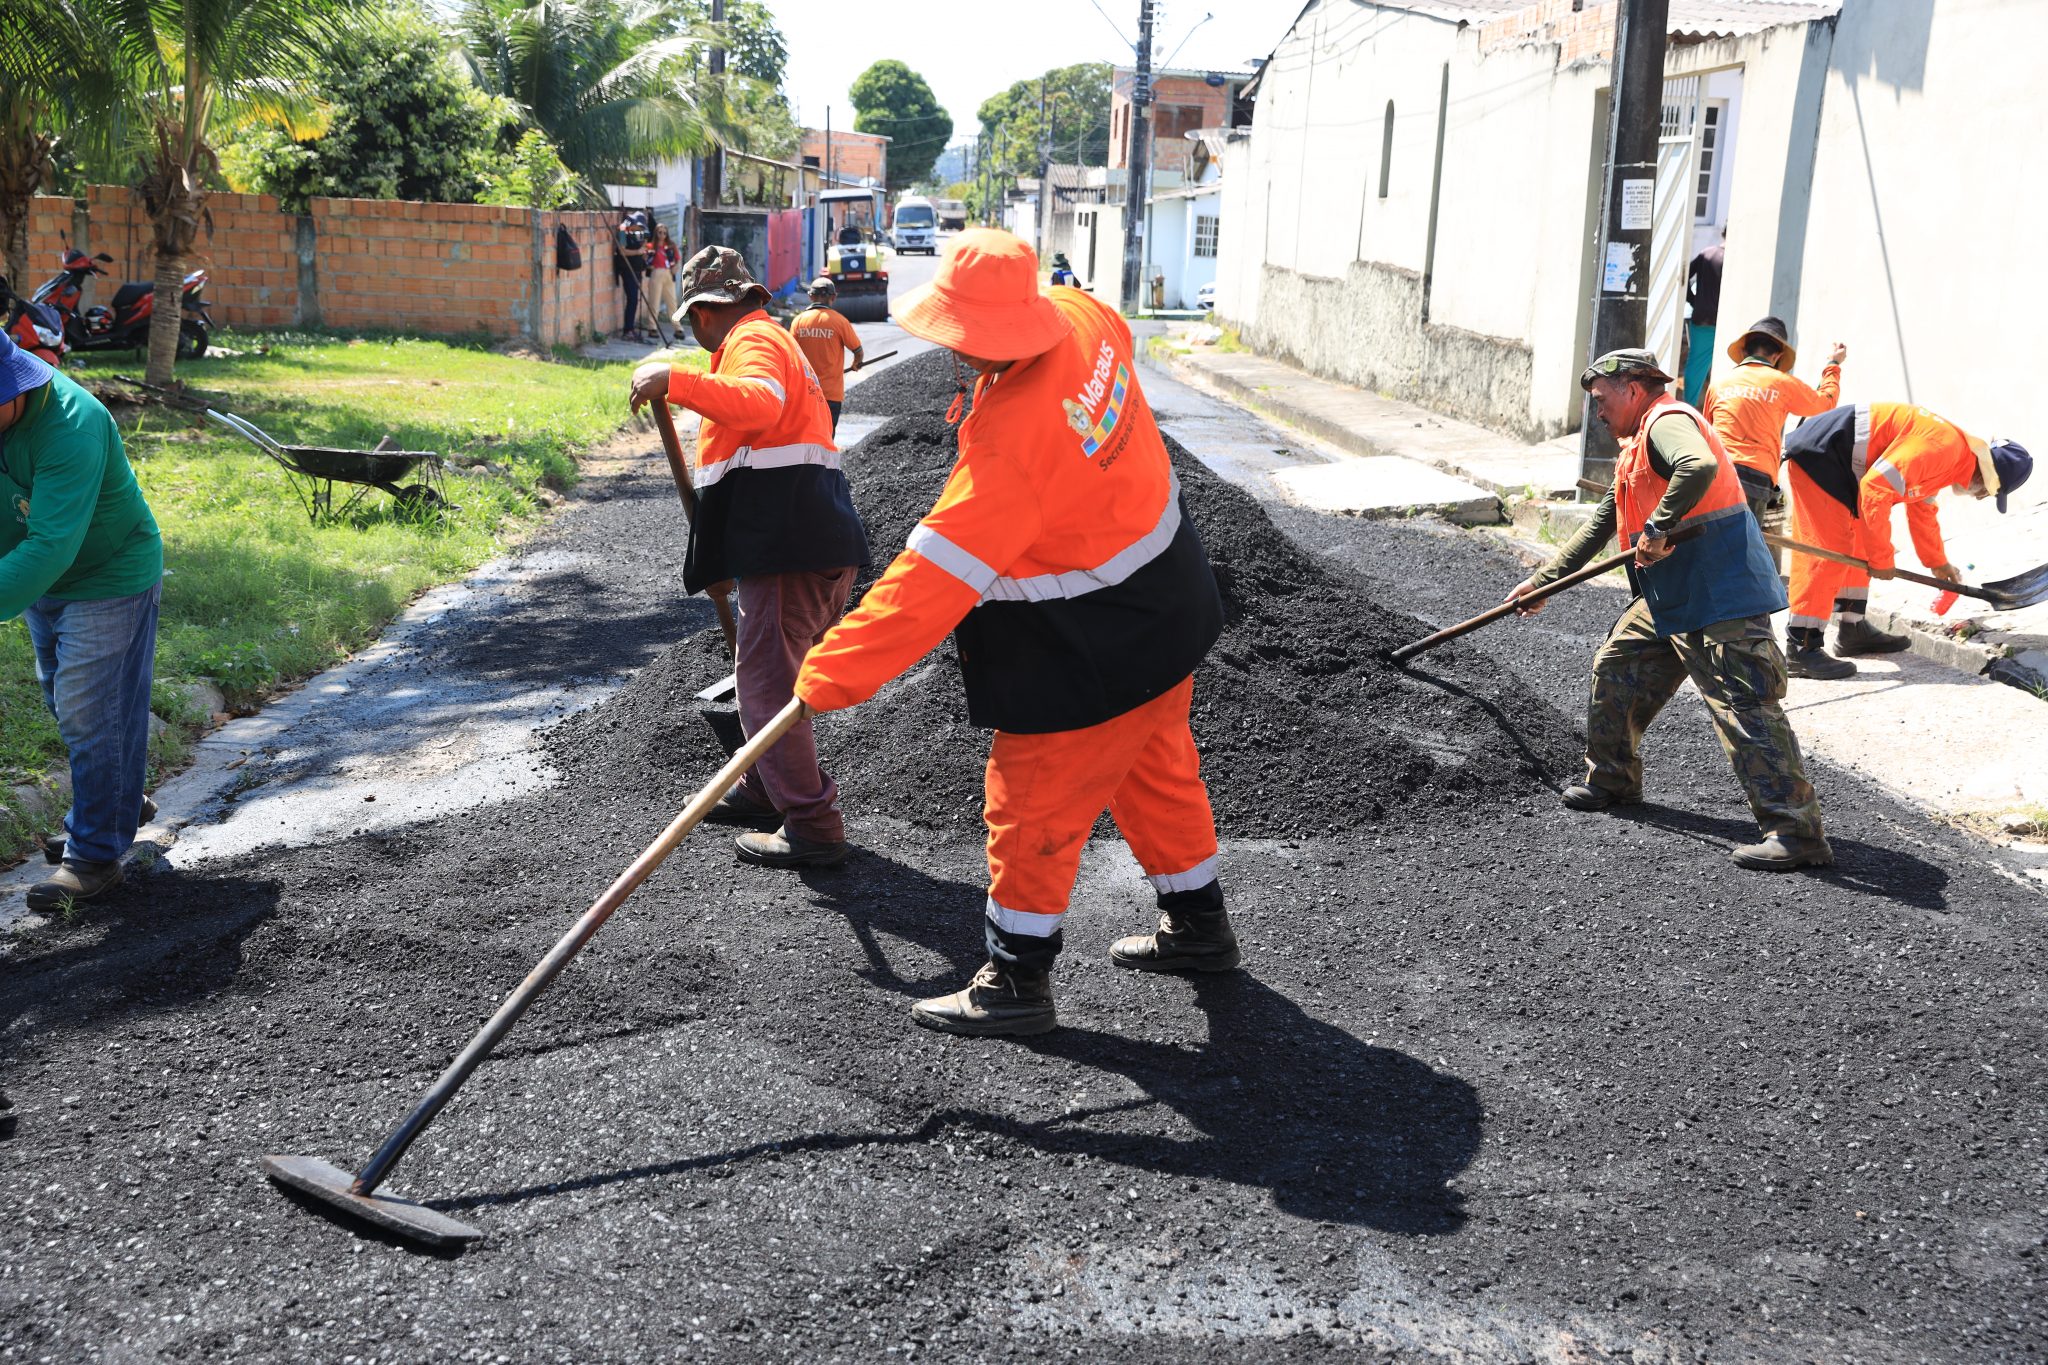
[[917, 225]]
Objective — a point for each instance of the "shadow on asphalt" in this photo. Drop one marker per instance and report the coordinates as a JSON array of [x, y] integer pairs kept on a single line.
[[1888, 874], [1339, 1130], [131, 952], [1541, 765]]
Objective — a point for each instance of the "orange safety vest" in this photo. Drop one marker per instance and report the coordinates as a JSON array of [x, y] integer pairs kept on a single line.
[[1749, 405], [1722, 570], [1059, 549], [770, 494]]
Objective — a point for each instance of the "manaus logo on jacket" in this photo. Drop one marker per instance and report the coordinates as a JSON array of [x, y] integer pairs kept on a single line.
[[21, 509], [1110, 379]]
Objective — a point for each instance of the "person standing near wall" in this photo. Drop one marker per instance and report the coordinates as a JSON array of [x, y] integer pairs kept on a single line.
[[629, 261], [658, 289], [1703, 300], [1749, 406]]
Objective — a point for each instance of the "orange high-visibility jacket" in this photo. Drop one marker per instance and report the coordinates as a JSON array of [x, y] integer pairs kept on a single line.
[[1721, 571], [1748, 409], [770, 495], [1875, 456], [825, 336], [1059, 549]]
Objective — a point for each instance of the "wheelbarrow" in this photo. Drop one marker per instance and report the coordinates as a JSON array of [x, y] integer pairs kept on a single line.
[[313, 471]]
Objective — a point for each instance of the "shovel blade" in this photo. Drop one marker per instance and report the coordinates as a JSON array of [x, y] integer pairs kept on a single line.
[[2021, 590], [330, 1184]]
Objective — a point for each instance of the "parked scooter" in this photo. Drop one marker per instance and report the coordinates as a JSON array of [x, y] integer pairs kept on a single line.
[[122, 325], [36, 327]]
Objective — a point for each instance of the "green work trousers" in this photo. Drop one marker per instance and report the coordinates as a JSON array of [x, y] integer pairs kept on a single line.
[[1740, 672]]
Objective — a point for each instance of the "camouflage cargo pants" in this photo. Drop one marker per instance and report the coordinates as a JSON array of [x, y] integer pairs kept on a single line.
[[1740, 672]]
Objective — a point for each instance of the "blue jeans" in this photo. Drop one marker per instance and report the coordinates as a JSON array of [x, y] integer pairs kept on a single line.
[[95, 660]]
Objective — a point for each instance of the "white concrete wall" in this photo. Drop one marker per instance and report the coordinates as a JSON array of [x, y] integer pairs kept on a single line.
[[1923, 250], [1166, 248], [1196, 271]]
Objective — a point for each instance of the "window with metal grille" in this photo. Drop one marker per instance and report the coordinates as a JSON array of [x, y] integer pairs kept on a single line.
[[1703, 201], [1205, 235]]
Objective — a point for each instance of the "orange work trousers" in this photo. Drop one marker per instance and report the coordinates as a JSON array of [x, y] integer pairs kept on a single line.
[[1820, 587], [1046, 791]]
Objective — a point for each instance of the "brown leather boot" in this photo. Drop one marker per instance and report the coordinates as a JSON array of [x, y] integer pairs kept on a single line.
[[1188, 940], [74, 881], [1000, 1001]]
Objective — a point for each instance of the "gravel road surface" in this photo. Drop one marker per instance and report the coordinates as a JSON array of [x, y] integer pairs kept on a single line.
[[1499, 1081]]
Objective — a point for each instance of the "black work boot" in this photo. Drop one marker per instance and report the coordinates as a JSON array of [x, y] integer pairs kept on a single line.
[[1804, 657], [1000, 1001], [74, 880], [52, 845], [1783, 853], [1858, 636], [738, 809], [1586, 796], [1194, 936], [783, 849]]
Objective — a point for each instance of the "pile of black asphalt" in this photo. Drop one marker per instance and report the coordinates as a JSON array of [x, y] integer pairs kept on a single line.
[[1497, 1082]]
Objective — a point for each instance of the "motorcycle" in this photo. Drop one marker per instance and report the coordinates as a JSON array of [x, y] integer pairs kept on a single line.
[[36, 327], [122, 325]]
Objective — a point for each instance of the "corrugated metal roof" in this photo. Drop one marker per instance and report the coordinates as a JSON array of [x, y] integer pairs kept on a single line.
[[1737, 18]]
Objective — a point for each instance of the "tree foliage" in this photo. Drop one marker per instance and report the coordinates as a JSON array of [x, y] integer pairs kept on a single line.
[[754, 46], [1016, 136], [607, 80], [531, 174], [891, 99], [407, 123]]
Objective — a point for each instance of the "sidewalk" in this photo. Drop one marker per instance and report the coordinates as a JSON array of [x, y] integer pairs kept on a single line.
[[1947, 739], [1536, 484]]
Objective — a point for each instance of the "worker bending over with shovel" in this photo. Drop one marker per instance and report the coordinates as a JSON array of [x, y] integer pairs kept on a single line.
[[773, 512], [1082, 599], [1705, 590], [1749, 405], [1848, 469]]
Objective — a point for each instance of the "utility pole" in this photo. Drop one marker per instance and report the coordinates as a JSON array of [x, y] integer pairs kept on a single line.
[[1621, 299], [716, 161], [1138, 172]]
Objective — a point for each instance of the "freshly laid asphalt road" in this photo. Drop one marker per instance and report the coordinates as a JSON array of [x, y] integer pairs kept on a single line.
[[1507, 1083]]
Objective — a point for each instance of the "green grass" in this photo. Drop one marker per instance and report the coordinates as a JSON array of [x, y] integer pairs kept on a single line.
[[255, 596]]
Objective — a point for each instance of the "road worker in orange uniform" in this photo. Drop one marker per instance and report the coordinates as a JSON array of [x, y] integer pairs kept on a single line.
[[1847, 470], [825, 337], [1082, 599], [774, 513], [1749, 405]]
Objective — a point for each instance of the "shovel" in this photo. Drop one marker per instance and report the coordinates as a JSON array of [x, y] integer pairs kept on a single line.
[[357, 1195], [2007, 594], [672, 446], [1492, 614]]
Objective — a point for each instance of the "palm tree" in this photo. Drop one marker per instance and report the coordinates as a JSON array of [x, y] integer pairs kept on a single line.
[[192, 67], [604, 79], [56, 79]]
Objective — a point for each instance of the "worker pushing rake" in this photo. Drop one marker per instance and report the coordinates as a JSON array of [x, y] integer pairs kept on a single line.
[[1061, 553]]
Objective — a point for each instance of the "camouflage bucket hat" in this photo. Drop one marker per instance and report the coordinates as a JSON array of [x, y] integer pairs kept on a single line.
[[717, 274], [1631, 360]]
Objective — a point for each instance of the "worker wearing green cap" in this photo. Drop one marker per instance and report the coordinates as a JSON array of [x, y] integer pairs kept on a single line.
[[1705, 591]]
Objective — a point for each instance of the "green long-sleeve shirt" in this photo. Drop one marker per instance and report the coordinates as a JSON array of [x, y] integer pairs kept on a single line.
[[1679, 453], [73, 523]]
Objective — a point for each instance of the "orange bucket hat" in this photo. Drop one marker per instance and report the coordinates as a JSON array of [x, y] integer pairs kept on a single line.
[[985, 300]]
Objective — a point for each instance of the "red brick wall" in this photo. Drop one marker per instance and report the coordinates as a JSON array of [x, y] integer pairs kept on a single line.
[[1180, 104], [414, 267], [1580, 34]]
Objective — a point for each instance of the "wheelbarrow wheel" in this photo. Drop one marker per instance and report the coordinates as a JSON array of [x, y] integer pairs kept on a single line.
[[420, 500]]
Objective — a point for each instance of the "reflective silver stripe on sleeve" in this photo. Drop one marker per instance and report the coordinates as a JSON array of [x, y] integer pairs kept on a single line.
[[1859, 455], [768, 457], [1053, 587], [1194, 879], [1023, 921], [767, 384], [1891, 475], [962, 564]]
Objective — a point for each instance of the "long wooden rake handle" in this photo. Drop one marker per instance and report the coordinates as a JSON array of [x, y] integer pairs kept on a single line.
[[672, 446], [1982, 594], [1492, 614], [572, 943]]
